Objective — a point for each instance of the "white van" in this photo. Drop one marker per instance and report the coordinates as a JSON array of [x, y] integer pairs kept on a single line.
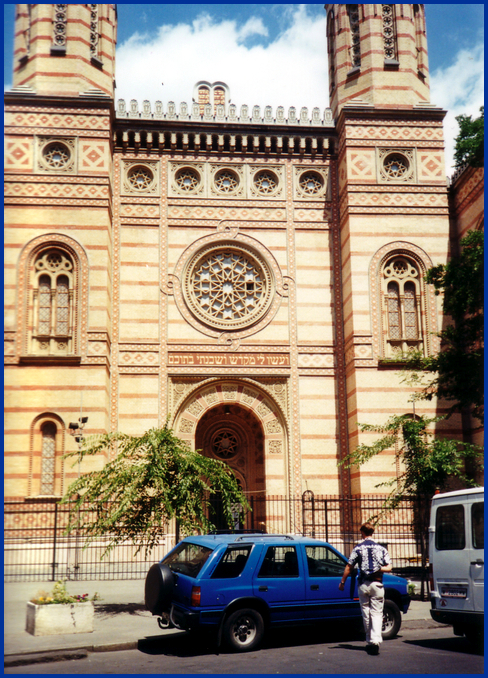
[[456, 561]]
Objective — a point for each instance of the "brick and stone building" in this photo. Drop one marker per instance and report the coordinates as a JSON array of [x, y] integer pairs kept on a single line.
[[245, 272]]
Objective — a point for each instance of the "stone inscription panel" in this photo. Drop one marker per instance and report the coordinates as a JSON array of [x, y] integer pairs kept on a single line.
[[228, 360]]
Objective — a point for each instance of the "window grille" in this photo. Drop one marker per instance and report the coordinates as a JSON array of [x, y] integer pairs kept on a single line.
[[402, 295], [53, 303], [48, 458]]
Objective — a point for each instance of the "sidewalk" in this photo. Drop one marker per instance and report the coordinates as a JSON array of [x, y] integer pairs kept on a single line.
[[121, 620]]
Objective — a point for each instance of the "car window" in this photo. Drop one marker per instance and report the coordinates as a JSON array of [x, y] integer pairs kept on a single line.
[[232, 563], [279, 561], [449, 528], [187, 558], [478, 524], [324, 562]]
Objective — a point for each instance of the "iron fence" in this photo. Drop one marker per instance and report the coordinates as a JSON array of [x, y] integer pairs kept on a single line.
[[38, 549]]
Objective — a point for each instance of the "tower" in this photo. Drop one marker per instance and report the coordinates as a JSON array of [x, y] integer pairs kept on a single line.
[[58, 226], [391, 208], [65, 50], [377, 55]]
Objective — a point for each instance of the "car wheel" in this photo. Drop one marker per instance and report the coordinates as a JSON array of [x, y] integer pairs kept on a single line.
[[158, 588], [392, 620], [244, 629]]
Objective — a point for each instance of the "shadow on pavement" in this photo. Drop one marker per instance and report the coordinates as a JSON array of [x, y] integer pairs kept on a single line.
[[194, 644], [455, 644], [115, 608]]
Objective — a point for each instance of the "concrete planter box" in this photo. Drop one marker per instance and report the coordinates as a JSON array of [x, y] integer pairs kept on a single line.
[[47, 620]]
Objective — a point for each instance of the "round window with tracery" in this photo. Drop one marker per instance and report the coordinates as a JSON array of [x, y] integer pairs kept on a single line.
[[396, 166], [187, 179], [225, 444], [226, 181], [54, 261], [266, 182], [56, 155], [140, 178], [311, 183], [228, 286]]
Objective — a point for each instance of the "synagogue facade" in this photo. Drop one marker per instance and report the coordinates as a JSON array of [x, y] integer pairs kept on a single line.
[[250, 274]]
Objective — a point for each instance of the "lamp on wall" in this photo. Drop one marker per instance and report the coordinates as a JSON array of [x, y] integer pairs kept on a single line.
[[226, 410]]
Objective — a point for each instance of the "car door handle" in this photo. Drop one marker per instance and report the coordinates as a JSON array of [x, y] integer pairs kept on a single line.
[[263, 588], [314, 587]]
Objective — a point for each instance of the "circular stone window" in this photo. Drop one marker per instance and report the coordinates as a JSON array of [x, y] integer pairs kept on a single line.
[[266, 182], [56, 155], [226, 181], [225, 444], [187, 179], [228, 286], [396, 166], [140, 178], [311, 183]]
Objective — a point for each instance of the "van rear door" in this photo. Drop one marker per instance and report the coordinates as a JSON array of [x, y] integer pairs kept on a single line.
[[476, 543], [451, 555]]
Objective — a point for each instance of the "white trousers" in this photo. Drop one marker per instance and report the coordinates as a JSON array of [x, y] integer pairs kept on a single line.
[[371, 599]]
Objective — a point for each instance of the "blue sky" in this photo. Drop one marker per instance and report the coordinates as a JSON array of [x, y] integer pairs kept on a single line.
[[271, 54]]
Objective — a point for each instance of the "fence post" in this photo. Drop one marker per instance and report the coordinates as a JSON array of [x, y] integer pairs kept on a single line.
[[54, 541]]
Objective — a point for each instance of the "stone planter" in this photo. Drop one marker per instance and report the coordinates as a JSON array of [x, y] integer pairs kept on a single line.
[[47, 620]]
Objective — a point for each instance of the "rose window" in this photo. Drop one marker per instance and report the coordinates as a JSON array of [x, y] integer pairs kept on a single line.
[[56, 155], [225, 444], [226, 181], [228, 287], [140, 178], [187, 179], [396, 166], [266, 182], [311, 183]]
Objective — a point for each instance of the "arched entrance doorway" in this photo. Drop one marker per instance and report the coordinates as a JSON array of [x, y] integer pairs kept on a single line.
[[233, 434]]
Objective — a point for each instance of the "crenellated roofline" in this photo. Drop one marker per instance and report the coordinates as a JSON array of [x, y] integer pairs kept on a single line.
[[218, 116]]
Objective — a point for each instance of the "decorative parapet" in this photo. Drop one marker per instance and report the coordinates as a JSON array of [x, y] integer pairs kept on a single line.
[[219, 115]]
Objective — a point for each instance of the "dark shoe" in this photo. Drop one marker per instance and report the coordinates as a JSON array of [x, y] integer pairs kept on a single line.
[[373, 649]]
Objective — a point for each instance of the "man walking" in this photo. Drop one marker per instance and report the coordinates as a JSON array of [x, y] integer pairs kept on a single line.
[[372, 560]]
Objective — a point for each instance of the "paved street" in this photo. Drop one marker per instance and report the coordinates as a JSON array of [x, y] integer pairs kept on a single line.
[[416, 650]]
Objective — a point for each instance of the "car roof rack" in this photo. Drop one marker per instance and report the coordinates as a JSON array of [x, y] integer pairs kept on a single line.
[[276, 536], [258, 532]]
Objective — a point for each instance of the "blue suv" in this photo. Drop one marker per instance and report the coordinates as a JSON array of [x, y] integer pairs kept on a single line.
[[241, 584]]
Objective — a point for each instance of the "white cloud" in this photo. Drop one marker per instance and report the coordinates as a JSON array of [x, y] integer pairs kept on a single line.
[[260, 74], [290, 70], [459, 88]]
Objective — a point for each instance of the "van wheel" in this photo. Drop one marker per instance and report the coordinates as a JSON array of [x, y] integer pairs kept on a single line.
[[244, 629], [392, 620]]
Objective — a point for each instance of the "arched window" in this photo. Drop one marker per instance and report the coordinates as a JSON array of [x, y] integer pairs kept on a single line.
[[53, 303], [420, 39], [355, 38], [46, 463], [203, 98], [48, 457], [401, 285], [331, 48]]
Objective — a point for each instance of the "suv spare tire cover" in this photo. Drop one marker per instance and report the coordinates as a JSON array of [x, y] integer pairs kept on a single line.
[[158, 588]]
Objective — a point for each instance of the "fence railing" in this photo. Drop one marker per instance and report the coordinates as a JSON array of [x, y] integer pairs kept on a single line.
[[38, 549]]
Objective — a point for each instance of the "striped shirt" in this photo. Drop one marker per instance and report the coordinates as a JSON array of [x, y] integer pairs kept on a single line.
[[369, 557]]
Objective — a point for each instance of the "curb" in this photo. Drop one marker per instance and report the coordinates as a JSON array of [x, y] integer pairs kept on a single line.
[[25, 658]]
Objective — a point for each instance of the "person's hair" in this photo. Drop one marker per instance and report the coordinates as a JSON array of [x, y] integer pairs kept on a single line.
[[367, 529]]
